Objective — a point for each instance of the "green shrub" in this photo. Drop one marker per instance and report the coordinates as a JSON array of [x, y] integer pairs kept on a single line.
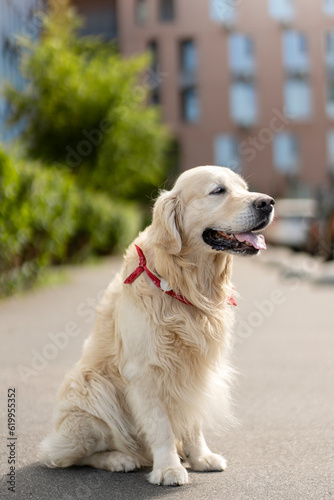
[[46, 219]]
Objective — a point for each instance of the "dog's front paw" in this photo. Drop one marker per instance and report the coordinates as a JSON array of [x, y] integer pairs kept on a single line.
[[209, 462], [171, 476]]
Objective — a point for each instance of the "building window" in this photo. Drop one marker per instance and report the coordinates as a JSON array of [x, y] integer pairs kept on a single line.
[[328, 6], [226, 152], [99, 20], [188, 63], [16, 20], [153, 74], [241, 55], [188, 57], [282, 10], [188, 69], [330, 98], [297, 99], [329, 49], [153, 50], [223, 11], [190, 105], [329, 57], [286, 154], [243, 103], [141, 12], [295, 52], [166, 10], [330, 150]]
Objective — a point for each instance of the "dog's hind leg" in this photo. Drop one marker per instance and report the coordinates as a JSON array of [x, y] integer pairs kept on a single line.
[[114, 461], [77, 436]]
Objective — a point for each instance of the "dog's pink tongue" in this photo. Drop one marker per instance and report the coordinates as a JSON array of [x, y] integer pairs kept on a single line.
[[256, 240]]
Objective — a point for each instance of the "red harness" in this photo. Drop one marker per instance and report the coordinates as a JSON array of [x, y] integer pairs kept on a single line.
[[143, 267]]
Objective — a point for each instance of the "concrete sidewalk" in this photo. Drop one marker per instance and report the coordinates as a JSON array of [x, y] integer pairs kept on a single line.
[[284, 445]]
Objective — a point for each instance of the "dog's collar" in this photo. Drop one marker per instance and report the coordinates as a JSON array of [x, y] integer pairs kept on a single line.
[[162, 284]]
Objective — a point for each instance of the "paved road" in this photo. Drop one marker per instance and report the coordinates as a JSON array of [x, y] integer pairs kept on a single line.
[[283, 447]]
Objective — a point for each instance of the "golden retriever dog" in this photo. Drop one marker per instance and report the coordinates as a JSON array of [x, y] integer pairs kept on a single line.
[[156, 366]]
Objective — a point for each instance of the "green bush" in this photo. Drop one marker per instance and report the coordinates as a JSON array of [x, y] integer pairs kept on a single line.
[[46, 219]]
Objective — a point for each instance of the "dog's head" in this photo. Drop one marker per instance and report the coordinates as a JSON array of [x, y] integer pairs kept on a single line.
[[211, 209]]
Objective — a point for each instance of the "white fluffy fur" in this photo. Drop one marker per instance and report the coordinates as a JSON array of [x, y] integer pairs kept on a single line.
[[154, 369]]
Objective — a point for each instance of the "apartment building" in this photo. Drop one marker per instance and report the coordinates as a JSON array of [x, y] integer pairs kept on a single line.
[[246, 84], [17, 19]]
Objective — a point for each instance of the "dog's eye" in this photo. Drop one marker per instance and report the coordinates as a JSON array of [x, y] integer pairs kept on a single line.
[[219, 190]]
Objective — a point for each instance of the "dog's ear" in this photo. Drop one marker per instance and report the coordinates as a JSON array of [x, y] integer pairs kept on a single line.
[[167, 221]]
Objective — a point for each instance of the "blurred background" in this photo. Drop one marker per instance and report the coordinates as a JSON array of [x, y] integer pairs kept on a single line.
[[105, 101]]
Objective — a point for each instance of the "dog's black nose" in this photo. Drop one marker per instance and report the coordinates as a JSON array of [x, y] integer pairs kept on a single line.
[[265, 204]]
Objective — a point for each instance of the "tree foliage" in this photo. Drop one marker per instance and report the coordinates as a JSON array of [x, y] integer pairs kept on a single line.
[[85, 110]]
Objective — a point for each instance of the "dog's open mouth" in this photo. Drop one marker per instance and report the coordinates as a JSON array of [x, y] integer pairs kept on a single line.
[[241, 243]]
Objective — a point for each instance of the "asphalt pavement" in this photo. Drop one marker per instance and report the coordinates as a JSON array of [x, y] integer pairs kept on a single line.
[[283, 446]]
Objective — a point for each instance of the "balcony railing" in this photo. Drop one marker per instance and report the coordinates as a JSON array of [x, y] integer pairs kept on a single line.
[[299, 66]]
